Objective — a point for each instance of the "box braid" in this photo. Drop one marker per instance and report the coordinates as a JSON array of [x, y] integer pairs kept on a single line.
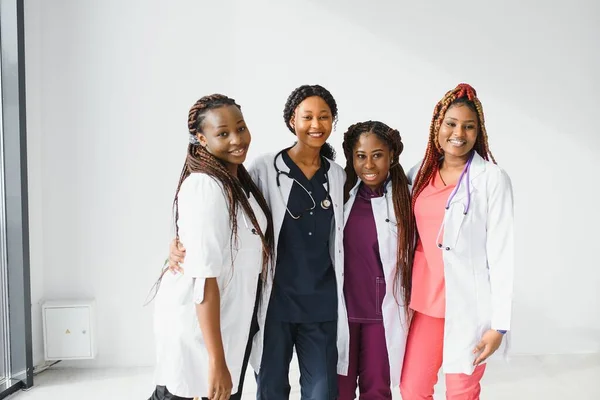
[[298, 96], [463, 94], [400, 197]]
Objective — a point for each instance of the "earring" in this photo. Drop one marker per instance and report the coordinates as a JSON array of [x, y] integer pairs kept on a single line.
[[194, 140]]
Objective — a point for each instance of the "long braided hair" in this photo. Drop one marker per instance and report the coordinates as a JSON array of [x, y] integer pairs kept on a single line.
[[199, 159], [463, 94], [298, 96], [400, 197]]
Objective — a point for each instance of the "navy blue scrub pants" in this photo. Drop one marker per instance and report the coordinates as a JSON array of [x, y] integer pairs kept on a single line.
[[317, 356]]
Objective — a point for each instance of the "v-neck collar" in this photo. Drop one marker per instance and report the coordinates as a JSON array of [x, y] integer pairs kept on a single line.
[[297, 173]]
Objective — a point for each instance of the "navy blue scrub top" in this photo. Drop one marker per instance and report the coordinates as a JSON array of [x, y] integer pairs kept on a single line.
[[304, 286]]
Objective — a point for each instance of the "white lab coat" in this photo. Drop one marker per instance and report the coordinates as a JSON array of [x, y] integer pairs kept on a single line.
[[205, 231], [264, 175], [478, 254], [392, 308]]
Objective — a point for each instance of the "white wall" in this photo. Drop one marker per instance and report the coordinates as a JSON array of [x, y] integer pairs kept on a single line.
[[110, 84]]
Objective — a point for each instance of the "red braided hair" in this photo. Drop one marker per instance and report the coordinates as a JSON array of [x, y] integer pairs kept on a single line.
[[463, 94]]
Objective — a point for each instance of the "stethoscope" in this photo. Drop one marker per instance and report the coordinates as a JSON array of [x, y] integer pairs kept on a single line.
[[253, 230], [246, 223], [466, 172], [325, 203]]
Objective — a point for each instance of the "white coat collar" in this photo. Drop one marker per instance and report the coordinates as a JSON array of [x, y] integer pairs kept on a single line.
[[281, 165], [478, 165], [355, 187]]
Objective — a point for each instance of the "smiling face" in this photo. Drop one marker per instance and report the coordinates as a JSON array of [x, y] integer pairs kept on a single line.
[[371, 159], [224, 134], [458, 131], [312, 122]]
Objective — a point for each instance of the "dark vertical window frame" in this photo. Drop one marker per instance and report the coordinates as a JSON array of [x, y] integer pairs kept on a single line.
[[14, 145]]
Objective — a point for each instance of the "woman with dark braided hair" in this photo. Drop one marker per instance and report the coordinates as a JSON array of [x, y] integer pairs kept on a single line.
[[205, 315], [306, 309], [463, 265], [302, 304], [379, 237]]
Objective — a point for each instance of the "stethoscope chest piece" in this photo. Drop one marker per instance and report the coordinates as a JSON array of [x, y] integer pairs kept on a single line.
[[325, 203]]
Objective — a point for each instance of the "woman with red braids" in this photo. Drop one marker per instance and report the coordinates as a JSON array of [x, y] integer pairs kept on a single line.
[[462, 279]]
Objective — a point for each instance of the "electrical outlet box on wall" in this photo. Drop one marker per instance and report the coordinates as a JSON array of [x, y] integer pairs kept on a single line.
[[69, 330]]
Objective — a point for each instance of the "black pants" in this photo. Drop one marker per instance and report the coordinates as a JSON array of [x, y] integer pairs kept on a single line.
[[161, 392], [317, 356]]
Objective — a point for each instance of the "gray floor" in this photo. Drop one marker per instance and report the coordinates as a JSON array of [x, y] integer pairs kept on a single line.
[[530, 378]]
